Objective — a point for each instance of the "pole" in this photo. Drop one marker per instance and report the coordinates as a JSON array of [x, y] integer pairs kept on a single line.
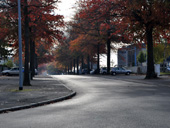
[[20, 47]]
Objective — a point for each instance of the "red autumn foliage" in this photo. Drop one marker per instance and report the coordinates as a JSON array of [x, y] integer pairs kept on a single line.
[[146, 21], [130, 21], [44, 25]]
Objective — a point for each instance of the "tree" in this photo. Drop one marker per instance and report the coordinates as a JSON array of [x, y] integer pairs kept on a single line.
[[63, 55], [146, 21], [141, 57], [9, 64], [161, 53], [102, 17], [40, 25], [4, 51]]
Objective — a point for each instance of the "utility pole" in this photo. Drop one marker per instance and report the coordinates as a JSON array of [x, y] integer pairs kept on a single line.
[[20, 47]]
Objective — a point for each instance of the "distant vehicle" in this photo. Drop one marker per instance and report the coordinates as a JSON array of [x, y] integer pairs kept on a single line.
[[94, 71], [103, 70], [120, 70], [36, 72], [168, 69], [12, 71], [85, 71]]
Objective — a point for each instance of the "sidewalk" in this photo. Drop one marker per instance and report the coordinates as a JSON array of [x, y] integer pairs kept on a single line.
[[44, 90]]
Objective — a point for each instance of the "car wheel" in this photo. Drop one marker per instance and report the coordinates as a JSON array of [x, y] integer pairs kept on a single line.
[[128, 73], [7, 74], [113, 73]]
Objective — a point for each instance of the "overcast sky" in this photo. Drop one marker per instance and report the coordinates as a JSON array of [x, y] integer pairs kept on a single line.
[[66, 8]]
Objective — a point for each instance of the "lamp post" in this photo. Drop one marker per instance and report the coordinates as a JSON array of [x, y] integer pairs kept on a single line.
[[20, 47]]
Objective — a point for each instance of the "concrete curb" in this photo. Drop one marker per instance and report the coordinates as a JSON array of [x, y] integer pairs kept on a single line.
[[16, 108]]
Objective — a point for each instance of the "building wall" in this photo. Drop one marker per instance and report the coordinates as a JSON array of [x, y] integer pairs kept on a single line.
[[127, 56], [122, 57], [2, 61]]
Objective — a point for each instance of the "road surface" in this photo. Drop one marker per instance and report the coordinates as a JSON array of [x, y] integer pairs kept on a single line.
[[101, 102]]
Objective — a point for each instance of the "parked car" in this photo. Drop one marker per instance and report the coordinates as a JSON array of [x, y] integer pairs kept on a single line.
[[85, 71], [103, 70], [12, 71], [120, 70], [94, 71], [36, 72], [168, 69]]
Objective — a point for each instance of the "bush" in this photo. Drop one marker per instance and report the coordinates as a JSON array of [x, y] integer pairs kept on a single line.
[[9, 64], [141, 57]]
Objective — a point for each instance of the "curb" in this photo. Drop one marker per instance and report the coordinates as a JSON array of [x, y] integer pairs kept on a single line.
[[6, 110]]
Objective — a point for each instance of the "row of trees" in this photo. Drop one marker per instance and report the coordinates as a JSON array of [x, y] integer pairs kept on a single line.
[[97, 23], [40, 30]]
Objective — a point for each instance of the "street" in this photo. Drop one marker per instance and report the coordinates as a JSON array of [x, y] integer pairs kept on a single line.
[[101, 102]]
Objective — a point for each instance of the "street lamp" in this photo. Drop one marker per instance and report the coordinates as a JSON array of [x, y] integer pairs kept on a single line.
[[20, 47]]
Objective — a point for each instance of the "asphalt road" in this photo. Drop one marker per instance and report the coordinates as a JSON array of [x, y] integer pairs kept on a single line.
[[99, 103]]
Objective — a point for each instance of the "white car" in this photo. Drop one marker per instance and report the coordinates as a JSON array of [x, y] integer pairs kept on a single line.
[[103, 70], [168, 69], [120, 70], [12, 71]]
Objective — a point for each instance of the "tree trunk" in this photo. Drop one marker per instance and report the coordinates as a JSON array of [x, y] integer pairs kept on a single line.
[[65, 70], [36, 61], [32, 58], [82, 64], [91, 66], [78, 65], [68, 69], [88, 64], [71, 67], [98, 58], [108, 54], [74, 66], [26, 66], [33, 61], [108, 47], [150, 63]]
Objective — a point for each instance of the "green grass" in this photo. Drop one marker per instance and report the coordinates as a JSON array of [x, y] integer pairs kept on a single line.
[[165, 73]]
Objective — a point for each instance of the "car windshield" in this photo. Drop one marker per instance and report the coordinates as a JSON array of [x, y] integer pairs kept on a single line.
[[116, 68], [14, 69], [121, 68]]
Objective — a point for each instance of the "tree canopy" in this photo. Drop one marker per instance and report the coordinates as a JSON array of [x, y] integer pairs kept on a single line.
[[146, 21], [40, 27], [96, 24]]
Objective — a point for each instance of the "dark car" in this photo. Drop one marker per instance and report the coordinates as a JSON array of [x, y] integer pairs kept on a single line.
[[94, 71], [85, 71], [120, 70]]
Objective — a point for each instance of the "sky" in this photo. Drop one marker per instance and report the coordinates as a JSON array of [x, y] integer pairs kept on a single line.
[[66, 9]]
